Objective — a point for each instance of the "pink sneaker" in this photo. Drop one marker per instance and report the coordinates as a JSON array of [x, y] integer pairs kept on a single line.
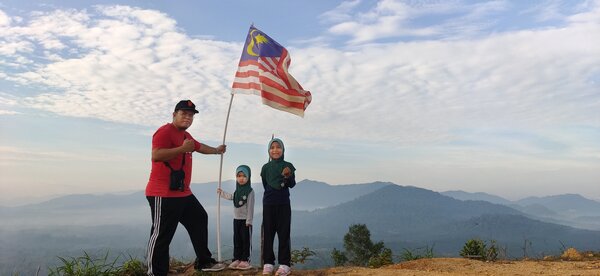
[[283, 270], [234, 264], [244, 265], [267, 269]]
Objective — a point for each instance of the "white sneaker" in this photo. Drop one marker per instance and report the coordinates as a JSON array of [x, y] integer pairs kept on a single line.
[[214, 267], [283, 270], [234, 264], [267, 269], [243, 265]]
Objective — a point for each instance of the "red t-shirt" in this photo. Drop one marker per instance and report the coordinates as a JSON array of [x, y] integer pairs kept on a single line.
[[166, 137]]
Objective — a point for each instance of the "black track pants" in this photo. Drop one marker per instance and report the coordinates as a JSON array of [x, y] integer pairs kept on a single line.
[[167, 213], [277, 219]]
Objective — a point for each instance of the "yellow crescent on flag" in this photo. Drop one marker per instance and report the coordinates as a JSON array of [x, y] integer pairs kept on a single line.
[[259, 39]]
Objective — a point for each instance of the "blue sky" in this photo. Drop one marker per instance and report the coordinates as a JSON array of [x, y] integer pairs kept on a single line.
[[483, 96]]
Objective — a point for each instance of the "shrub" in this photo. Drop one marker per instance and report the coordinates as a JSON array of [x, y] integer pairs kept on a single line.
[[383, 258], [476, 248], [88, 265], [410, 255], [492, 253], [85, 266], [300, 256], [133, 267], [338, 257]]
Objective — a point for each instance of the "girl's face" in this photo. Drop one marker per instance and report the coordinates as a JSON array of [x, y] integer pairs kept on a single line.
[[275, 151], [241, 178]]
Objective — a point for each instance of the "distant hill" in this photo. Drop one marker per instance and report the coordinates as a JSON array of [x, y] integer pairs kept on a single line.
[[568, 209], [395, 210], [405, 216], [402, 216], [310, 195], [536, 210], [573, 204], [462, 195], [132, 208]]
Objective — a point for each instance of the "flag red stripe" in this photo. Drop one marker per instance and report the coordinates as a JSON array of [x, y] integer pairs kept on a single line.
[[280, 68], [273, 98], [246, 74], [248, 62], [250, 85], [283, 89]]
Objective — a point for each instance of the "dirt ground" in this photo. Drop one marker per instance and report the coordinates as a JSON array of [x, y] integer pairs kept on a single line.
[[455, 266], [448, 266]]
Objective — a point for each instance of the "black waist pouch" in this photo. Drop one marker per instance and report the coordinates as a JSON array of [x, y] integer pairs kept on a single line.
[[177, 178]]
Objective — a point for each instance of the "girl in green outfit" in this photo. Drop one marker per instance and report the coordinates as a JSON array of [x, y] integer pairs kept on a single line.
[[277, 178]]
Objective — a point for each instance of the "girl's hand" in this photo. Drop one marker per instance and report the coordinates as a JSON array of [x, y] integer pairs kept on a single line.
[[219, 191], [248, 225], [286, 172]]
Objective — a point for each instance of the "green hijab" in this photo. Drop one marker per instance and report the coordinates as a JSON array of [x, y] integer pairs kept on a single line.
[[240, 196], [272, 170]]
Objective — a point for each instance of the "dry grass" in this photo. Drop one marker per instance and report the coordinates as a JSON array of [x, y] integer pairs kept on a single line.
[[588, 265]]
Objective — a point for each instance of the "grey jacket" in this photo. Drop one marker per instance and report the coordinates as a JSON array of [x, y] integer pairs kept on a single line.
[[246, 211]]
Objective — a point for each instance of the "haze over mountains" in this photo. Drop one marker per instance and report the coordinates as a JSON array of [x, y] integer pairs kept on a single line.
[[402, 216], [568, 209]]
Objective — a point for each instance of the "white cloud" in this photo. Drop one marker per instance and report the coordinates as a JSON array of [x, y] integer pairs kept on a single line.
[[341, 12], [131, 65], [8, 112], [387, 19], [589, 13], [4, 19], [15, 154]]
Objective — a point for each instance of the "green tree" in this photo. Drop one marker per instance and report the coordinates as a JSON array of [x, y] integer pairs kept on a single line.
[[358, 244], [359, 247], [338, 257]]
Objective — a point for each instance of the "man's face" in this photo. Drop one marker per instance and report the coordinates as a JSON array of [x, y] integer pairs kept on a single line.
[[182, 119]]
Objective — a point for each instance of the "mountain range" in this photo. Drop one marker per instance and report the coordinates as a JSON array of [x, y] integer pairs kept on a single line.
[[404, 217], [567, 209]]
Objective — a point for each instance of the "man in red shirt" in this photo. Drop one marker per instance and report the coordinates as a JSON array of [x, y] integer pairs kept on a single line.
[[169, 195]]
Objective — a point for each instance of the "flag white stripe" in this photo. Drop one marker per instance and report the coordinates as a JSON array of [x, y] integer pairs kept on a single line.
[[274, 78], [278, 93], [275, 105]]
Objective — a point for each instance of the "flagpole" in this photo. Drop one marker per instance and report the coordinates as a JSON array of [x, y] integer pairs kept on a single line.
[[219, 196]]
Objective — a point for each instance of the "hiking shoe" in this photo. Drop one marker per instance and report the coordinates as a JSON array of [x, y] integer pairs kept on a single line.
[[234, 264], [267, 269], [213, 267], [283, 270], [244, 265], [198, 265]]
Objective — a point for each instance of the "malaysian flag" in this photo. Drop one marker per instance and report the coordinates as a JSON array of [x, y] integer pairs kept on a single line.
[[263, 70]]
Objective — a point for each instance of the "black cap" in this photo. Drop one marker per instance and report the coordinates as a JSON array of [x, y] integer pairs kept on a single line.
[[186, 105]]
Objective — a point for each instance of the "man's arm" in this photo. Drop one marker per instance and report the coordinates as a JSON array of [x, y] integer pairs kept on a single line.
[[206, 149]]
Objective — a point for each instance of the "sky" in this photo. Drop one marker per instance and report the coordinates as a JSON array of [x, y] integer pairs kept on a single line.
[[501, 97]]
